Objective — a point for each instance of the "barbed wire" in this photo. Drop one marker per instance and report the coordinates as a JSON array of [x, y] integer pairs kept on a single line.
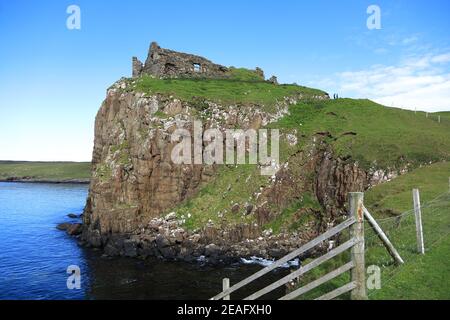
[[405, 240]]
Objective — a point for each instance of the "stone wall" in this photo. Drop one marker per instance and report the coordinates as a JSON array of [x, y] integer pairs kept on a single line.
[[164, 63]]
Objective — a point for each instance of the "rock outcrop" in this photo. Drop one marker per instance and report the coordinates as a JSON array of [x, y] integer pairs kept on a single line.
[[135, 182], [134, 179]]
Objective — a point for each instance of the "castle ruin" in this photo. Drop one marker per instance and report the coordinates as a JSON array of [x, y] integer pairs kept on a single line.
[[165, 63]]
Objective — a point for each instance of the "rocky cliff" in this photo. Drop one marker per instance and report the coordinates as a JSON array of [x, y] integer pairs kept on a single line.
[[136, 188], [133, 177]]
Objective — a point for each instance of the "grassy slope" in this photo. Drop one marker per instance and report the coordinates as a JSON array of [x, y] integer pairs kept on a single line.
[[385, 135], [45, 170], [421, 277], [242, 88], [445, 114]]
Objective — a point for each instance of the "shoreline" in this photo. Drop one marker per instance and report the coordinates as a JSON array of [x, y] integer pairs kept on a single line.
[[32, 180]]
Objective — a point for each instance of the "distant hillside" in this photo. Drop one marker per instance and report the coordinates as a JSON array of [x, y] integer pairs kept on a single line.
[[372, 134], [44, 171], [444, 114]]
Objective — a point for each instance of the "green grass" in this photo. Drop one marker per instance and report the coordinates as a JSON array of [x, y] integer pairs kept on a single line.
[[374, 135], [244, 74], [214, 201], [426, 278], [389, 137], [45, 170], [296, 215], [395, 196], [443, 114], [421, 277], [249, 91]]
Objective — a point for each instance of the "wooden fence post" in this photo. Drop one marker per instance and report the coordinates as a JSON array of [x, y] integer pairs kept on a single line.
[[383, 237], [356, 209], [418, 214], [226, 286]]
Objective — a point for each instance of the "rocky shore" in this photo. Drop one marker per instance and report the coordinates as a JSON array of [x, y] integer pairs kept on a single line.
[[165, 238]]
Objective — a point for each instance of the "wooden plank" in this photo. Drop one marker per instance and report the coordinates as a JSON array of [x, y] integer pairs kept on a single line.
[[333, 231], [387, 243], [329, 255], [356, 206], [418, 214], [226, 286], [339, 291], [318, 282]]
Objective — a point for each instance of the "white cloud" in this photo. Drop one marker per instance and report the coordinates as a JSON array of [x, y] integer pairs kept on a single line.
[[420, 82], [442, 58], [410, 40]]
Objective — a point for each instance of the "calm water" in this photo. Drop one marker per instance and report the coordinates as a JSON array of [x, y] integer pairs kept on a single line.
[[34, 256]]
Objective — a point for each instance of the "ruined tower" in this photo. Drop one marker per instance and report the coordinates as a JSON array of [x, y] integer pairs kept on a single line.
[[165, 63]]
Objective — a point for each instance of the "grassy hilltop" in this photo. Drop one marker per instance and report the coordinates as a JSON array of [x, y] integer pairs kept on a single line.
[[44, 171]]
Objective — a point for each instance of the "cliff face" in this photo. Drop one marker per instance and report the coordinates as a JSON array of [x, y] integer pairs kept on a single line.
[[135, 183], [133, 177]]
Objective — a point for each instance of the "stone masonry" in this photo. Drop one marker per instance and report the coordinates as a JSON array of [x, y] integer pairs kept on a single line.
[[165, 63]]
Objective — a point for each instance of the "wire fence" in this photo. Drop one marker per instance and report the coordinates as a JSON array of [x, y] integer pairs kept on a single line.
[[438, 118], [401, 230]]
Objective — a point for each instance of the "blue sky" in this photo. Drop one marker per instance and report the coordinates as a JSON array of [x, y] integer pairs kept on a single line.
[[53, 80]]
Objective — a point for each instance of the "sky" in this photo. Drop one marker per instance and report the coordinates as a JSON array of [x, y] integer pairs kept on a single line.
[[53, 79]]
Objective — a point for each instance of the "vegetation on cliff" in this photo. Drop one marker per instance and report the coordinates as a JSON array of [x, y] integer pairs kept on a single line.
[[243, 88], [376, 137], [372, 134]]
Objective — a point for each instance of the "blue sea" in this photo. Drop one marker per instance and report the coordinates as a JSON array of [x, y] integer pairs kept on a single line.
[[34, 256]]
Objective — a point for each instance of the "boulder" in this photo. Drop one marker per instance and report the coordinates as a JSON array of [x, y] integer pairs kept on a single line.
[[162, 242], [75, 229], [212, 250], [248, 208], [63, 226], [130, 248], [111, 250], [171, 216]]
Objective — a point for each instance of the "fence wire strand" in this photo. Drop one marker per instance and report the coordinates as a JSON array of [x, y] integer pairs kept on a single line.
[[401, 230]]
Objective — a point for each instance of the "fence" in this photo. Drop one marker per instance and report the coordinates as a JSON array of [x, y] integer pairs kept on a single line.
[[437, 117], [378, 238], [414, 232]]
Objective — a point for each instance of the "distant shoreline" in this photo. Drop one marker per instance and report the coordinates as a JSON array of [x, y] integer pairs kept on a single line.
[[45, 172], [31, 180]]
